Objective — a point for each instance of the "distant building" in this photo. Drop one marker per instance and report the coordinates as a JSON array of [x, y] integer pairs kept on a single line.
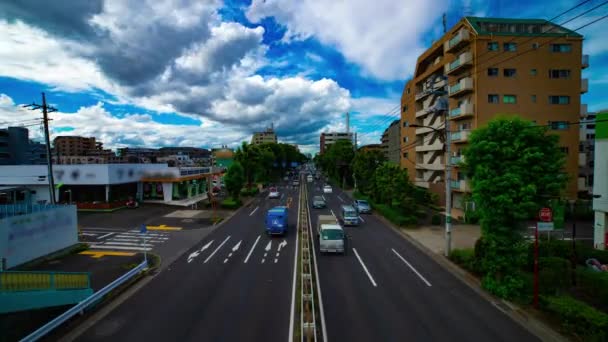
[[267, 136], [600, 186], [17, 149], [329, 138], [371, 147], [223, 157], [75, 145], [586, 151], [176, 160], [192, 152], [391, 142]]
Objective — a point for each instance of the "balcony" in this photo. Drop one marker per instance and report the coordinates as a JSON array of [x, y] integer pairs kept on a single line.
[[460, 39], [455, 160], [423, 94], [460, 185], [463, 86], [585, 62], [460, 64], [421, 182], [582, 159], [465, 110], [584, 110], [436, 146], [584, 85], [460, 136], [422, 112], [431, 167]]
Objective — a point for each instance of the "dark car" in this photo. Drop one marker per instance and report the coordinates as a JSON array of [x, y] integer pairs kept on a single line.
[[318, 202], [362, 207]]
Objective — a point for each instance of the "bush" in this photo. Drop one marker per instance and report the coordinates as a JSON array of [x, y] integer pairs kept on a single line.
[[230, 203], [593, 285], [577, 317], [563, 249], [553, 275], [395, 216], [436, 220], [250, 192], [471, 216], [464, 257]]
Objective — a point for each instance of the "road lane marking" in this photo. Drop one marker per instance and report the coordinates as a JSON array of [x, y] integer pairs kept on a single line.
[[275, 260], [281, 245], [252, 248], [263, 260], [293, 284], [121, 248], [361, 218], [193, 255], [104, 236], [127, 244], [163, 227], [254, 210], [411, 267], [99, 254], [340, 198], [332, 212], [365, 268], [324, 198], [217, 249]]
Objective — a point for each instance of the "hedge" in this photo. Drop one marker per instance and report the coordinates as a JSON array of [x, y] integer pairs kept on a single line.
[[251, 192], [464, 257], [230, 203], [594, 285], [554, 275], [563, 249], [577, 317], [394, 215]]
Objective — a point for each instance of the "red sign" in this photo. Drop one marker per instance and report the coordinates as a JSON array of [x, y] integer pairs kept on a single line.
[[545, 215]]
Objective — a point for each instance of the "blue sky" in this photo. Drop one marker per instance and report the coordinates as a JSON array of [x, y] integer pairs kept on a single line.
[[205, 74]]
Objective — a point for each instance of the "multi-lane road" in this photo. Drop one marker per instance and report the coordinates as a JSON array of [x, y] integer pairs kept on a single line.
[[237, 285]]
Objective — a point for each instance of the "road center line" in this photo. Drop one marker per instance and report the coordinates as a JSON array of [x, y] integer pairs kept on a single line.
[[364, 268], [332, 212], [254, 210], [340, 198], [252, 248], [217, 249], [412, 268], [104, 236], [361, 218]]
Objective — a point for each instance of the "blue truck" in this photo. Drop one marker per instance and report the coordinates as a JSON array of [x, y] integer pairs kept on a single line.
[[276, 221]]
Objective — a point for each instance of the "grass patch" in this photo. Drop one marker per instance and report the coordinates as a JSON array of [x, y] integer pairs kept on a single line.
[[230, 203]]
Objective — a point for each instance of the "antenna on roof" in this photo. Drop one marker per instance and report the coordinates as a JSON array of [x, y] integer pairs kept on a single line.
[[444, 24]]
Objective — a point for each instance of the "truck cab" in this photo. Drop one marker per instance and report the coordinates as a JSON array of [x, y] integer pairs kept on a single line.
[[330, 235], [276, 221], [349, 215]]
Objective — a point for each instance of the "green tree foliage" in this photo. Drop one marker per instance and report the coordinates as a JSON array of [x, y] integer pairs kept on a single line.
[[234, 179], [263, 162], [249, 157], [336, 160], [515, 168], [364, 165]]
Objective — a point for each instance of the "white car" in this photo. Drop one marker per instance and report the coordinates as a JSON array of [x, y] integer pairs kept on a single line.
[[327, 189], [273, 193]]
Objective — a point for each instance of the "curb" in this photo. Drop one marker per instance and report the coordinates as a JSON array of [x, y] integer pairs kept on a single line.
[[524, 319]]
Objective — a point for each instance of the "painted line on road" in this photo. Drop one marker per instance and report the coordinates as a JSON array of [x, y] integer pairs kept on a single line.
[[324, 197], [252, 248], [108, 243], [105, 235], [275, 260], [361, 218], [99, 254], [365, 268], [120, 248], [254, 210], [340, 198], [293, 286], [332, 212], [217, 249], [412, 268]]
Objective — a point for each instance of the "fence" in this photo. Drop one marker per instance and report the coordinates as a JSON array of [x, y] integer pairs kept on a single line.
[[10, 210], [33, 281]]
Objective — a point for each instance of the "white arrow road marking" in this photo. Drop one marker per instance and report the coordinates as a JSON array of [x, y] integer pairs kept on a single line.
[[411, 267], [234, 249], [207, 245], [281, 245], [275, 260], [268, 246], [332, 212], [365, 268], [217, 249], [192, 256], [252, 248]]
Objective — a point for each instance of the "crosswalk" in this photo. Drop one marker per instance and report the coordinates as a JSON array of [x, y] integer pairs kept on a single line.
[[122, 240]]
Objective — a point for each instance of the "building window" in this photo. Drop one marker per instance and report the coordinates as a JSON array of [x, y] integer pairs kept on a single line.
[[492, 98], [533, 98], [564, 150], [590, 136], [510, 99], [561, 47], [509, 47], [407, 90], [532, 72], [405, 108], [581, 147], [405, 155], [509, 72], [590, 181], [590, 126], [492, 71], [555, 99], [406, 139], [493, 46], [558, 125], [591, 163], [406, 124], [559, 73]]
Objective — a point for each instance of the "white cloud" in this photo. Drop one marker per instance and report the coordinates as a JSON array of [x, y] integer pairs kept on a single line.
[[383, 35]]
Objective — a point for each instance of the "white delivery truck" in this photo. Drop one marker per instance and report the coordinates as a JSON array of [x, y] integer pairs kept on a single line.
[[330, 235]]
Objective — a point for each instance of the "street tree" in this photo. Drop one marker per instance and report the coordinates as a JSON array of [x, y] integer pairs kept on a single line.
[[515, 168], [234, 179], [249, 157], [364, 165], [336, 160]]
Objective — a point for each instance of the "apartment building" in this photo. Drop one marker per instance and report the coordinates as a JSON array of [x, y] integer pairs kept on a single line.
[[329, 138], [370, 147], [16, 148], [586, 152], [481, 68], [391, 145], [75, 145], [267, 136]]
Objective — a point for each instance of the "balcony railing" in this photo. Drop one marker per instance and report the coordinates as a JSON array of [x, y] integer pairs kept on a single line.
[[462, 110], [462, 60], [459, 136], [463, 85], [455, 111], [585, 61], [461, 37], [460, 185], [455, 160], [584, 85]]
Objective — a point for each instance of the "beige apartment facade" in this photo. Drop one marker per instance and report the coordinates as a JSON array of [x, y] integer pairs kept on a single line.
[[483, 68]]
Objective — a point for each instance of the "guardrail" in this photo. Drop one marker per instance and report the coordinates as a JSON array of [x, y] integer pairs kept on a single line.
[[80, 307]]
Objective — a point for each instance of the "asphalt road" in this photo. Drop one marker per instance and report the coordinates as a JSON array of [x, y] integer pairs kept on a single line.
[[385, 289], [234, 285]]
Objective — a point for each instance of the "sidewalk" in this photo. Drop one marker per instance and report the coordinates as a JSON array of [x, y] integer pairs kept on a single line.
[[433, 237]]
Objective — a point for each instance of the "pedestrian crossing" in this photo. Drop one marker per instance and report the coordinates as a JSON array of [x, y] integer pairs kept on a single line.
[[123, 240]]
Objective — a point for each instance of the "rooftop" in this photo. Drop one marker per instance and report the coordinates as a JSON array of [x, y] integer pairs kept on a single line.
[[518, 27]]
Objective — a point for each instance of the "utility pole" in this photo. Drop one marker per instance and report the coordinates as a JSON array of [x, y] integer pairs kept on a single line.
[[448, 192], [49, 160]]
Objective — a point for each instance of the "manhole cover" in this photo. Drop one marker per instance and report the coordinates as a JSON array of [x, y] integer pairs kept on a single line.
[[187, 220]]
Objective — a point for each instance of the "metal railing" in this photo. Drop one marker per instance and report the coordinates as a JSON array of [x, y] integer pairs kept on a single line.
[[40, 281], [85, 304], [10, 210]]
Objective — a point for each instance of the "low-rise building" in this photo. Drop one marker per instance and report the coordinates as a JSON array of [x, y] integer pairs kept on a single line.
[[586, 153], [391, 142], [328, 138], [267, 136], [73, 145]]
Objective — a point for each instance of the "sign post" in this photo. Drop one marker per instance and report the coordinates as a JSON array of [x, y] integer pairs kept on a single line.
[[545, 216]]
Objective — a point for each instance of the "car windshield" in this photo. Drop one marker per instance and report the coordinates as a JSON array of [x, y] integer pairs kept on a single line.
[[318, 199], [332, 234], [349, 213], [364, 203]]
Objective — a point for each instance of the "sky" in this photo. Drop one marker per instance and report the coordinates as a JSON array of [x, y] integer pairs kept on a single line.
[[207, 73]]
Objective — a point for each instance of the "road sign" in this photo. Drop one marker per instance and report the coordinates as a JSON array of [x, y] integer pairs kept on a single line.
[[545, 215], [143, 229], [545, 226]]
